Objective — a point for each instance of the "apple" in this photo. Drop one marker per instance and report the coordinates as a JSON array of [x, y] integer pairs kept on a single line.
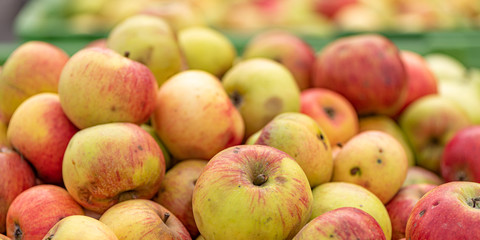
[[342, 223], [261, 89], [387, 125], [143, 219], [73, 227], [149, 40], [176, 191], [465, 95], [194, 117], [32, 68], [333, 112], [37, 209], [251, 192], [446, 212], [401, 205], [333, 195], [40, 131], [253, 138], [374, 81], [417, 175], [99, 86], [299, 136], [110, 163], [461, 155], [429, 123], [207, 49], [286, 48], [16, 176], [178, 14], [445, 67], [331, 8]]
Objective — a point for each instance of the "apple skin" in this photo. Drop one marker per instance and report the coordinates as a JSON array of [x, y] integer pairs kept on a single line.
[[100, 43], [416, 175], [143, 219], [149, 40], [449, 211], [267, 192], [388, 125], [374, 160], [401, 205], [3, 135], [333, 112], [33, 67], [99, 86], [286, 48], [110, 163], [374, 82], [299, 136], [16, 176], [429, 123], [37, 209], [40, 131], [3, 237], [176, 191], [346, 223], [461, 155], [261, 89], [72, 227], [332, 195], [166, 155], [194, 117], [331, 8]]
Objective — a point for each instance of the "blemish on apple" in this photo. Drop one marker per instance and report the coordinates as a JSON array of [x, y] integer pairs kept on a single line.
[[355, 171], [274, 104], [422, 212]]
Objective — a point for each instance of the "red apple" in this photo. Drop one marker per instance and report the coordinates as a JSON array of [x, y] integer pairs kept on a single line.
[[461, 156], [401, 205], [366, 69], [16, 176], [37, 209], [449, 211], [330, 8]]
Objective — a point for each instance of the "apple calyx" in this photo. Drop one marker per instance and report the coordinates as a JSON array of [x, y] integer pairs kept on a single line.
[[17, 233], [330, 112], [355, 171], [236, 99], [127, 195], [166, 215], [475, 202], [260, 179]]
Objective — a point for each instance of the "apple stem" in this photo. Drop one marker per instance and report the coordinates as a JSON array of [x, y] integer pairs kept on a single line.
[[236, 99], [17, 234], [475, 200], [166, 215], [260, 179]]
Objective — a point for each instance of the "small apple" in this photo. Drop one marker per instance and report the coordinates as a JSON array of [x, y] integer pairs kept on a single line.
[[267, 192], [342, 223], [76, 226], [143, 219], [194, 117], [37, 209], [449, 211], [416, 175], [110, 163]]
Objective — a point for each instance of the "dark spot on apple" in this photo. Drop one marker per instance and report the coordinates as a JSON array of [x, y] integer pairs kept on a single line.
[[322, 138], [355, 171], [209, 199], [422, 212], [239, 186], [339, 144], [126, 54], [281, 179], [17, 233], [366, 184], [140, 148], [361, 205], [274, 104], [331, 236], [330, 112], [436, 203], [379, 161], [277, 59], [195, 182], [380, 150], [236, 99], [113, 108], [268, 219], [434, 140], [461, 176]]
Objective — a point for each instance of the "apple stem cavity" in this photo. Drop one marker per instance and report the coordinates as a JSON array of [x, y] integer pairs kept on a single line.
[[166, 215], [260, 179], [330, 112], [236, 99], [17, 234]]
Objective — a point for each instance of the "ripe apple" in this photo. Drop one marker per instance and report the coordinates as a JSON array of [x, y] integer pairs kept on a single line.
[[342, 223], [461, 156], [416, 175], [333, 195], [374, 81], [207, 49], [261, 89], [299, 136], [76, 226], [143, 219], [429, 123], [449, 211], [149, 40], [176, 191], [286, 48], [401, 205], [194, 117], [374, 160], [110, 163], [40, 131], [37, 209], [16, 176], [387, 125], [267, 192], [333, 112], [99, 86]]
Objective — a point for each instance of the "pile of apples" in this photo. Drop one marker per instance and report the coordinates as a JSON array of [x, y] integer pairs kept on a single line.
[[160, 134]]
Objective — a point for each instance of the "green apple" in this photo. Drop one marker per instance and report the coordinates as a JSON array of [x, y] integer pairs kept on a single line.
[[73, 227], [445, 67], [299, 136], [261, 89], [251, 192], [149, 40]]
